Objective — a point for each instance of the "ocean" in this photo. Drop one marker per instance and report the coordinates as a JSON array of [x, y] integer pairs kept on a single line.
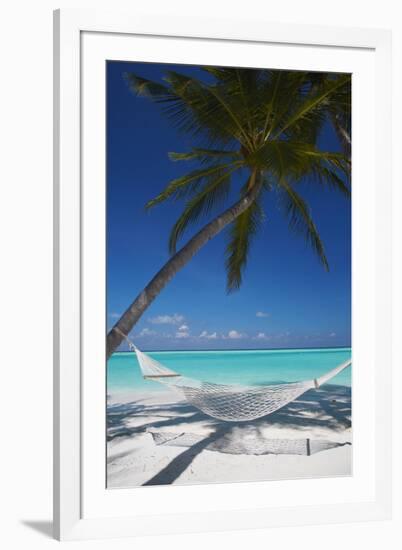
[[247, 367]]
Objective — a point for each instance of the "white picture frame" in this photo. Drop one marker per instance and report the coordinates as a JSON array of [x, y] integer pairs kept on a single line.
[[83, 508]]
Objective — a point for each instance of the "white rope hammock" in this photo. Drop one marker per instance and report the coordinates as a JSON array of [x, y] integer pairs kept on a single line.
[[232, 403]]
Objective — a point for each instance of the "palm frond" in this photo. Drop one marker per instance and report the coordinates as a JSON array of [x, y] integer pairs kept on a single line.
[[241, 234], [205, 155], [271, 104], [207, 108], [297, 160], [328, 177], [147, 88], [189, 105], [308, 106], [228, 103], [338, 108], [301, 221], [189, 183], [214, 192]]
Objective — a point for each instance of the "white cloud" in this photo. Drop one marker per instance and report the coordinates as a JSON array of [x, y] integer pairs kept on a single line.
[[182, 334], [261, 336], [175, 319], [261, 314], [146, 332], [209, 336], [332, 334], [234, 335], [272, 337]]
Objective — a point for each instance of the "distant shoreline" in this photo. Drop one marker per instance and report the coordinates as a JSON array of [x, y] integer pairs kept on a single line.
[[237, 349]]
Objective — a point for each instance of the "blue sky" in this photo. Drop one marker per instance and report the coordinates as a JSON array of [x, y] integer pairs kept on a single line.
[[286, 300]]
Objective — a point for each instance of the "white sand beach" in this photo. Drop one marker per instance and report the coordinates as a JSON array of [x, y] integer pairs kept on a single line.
[[158, 438]]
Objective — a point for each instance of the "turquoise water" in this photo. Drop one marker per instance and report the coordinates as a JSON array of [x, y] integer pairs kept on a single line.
[[253, 367]]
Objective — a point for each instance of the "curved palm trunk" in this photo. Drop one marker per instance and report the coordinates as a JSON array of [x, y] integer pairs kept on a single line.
[[131, 316]]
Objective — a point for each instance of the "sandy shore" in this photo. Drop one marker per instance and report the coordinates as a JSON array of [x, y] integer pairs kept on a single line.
[[157, 438]]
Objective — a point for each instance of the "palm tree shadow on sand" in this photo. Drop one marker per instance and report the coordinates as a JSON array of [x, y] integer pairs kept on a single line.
[[181, 462], [329, 407]]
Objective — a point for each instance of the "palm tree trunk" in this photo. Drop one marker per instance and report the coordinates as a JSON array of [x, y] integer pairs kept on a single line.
[[343, 135], [131, 316]]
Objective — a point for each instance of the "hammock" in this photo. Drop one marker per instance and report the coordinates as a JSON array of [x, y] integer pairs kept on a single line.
[[233, 403]]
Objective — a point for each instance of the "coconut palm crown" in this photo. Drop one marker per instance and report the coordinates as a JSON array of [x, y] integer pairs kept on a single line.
[[257, 126], [259, 122]]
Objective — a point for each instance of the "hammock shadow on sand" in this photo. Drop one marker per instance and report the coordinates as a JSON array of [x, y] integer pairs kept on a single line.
[[119, 417], [329, 408], [225, 440]]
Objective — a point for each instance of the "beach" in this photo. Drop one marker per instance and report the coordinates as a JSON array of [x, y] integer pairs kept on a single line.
[[156, 438], [239, 317]]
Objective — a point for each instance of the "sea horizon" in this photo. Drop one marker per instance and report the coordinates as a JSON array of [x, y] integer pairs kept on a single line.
[[228, 350]]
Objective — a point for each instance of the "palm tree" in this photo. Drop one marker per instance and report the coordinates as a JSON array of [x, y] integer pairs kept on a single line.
[[261, 124]]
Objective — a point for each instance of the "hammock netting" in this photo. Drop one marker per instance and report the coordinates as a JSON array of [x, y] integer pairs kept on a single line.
[[233, 403]]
